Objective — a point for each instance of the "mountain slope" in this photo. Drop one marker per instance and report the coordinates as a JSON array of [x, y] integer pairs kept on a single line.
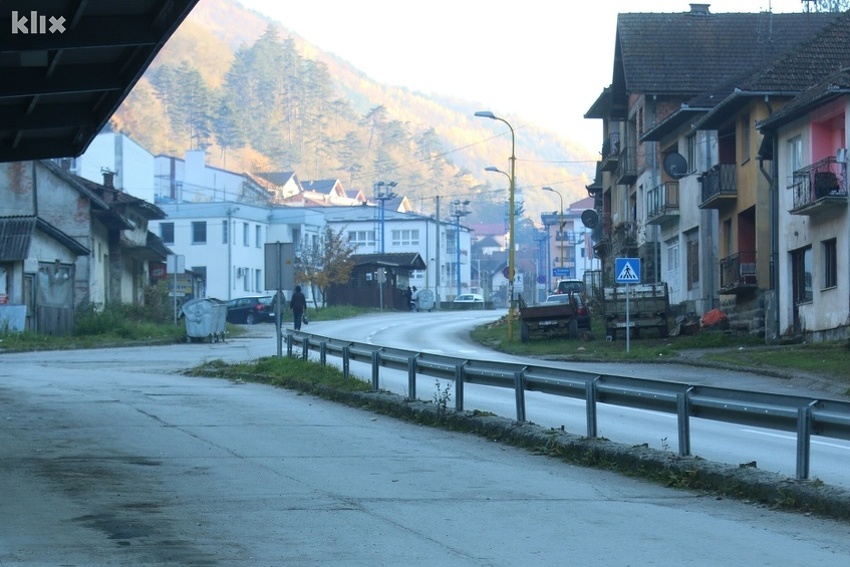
[[460, 145]]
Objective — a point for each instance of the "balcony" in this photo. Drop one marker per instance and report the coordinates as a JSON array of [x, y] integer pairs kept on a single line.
[[662, 203], [626, 172], [819, 188], [719, 186], [738, 273], [611, 152]]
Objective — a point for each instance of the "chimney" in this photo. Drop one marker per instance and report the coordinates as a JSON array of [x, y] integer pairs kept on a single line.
[[700, 9], [108, 178]]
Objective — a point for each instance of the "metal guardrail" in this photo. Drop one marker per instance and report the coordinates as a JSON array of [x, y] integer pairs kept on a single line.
[[803, 415]]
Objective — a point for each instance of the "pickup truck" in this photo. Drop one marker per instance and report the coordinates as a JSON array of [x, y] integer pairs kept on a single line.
[[648, 304], [549, 319]]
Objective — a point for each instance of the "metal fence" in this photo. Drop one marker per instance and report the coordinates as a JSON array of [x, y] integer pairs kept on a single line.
[[803, 415]]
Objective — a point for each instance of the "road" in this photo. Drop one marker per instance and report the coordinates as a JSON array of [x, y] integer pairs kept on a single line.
[[447, 333], [110, 457]]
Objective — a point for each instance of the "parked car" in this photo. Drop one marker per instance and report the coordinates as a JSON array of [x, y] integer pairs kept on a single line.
[[469, 298], [583, 317], [570, 286], [250, 310]]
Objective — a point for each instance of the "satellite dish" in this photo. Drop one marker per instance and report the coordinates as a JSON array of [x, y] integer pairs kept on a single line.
[[675, 165], [589, 218]]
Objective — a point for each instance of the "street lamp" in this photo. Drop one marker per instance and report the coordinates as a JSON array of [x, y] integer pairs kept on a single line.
[[561, 222], [383, 193], [459, 210], [511, 207]]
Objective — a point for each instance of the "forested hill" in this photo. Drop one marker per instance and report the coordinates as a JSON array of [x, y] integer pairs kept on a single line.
[[260, 98]]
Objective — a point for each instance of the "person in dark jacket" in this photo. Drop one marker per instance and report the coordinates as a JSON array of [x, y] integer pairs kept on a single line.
[[298, 304]]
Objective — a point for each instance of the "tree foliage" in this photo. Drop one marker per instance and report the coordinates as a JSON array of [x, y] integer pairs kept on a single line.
[[326, 261]]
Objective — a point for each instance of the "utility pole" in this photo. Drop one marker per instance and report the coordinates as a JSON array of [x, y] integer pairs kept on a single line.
[[437, 274], [459, 210]]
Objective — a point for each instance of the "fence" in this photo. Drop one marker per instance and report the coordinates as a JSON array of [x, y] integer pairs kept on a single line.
[[803, 415]]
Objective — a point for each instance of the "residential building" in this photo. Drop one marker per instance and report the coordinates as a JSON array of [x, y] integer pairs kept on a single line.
[[665, 193], [808, 139], [223, 243], [568, 252], [112, 261]]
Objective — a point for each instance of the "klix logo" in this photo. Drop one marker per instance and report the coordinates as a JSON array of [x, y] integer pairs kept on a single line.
[[36, 24]]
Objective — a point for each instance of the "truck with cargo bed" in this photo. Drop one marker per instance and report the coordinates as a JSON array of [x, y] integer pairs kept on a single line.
[[648, 307]]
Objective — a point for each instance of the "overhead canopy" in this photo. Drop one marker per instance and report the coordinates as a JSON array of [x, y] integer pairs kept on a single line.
[[68, 64]]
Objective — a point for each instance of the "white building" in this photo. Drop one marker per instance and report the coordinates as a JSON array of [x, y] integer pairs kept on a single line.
[[224, 243], [407, 232], [132, 165]]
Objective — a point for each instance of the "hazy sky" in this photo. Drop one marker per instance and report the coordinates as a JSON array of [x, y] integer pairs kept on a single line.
[[544, 61]]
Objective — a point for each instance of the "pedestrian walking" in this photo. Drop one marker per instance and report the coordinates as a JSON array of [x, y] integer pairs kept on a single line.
[[298, 304]]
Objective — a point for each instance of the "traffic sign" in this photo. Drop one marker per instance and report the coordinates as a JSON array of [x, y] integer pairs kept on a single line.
[[627, 270], [561, 272]]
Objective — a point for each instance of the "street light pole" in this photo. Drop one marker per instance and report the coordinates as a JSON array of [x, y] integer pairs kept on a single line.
[[511, 207], [561, 222], [384, 195], [459, 210]]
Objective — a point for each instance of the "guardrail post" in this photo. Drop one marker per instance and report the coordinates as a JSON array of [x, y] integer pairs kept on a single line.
[[459, 387], [804, 440], [590, 403], [289, 341], [683, 412], [519, 390], [323, 353], [411, 377], [305, 348], [376, 362], [346, 362]]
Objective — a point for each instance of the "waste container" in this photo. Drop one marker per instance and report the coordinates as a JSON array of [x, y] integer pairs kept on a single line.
[[424, 300], [205, 318]]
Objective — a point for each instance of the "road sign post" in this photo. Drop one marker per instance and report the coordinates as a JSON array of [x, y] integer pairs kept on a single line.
[[627, 271]]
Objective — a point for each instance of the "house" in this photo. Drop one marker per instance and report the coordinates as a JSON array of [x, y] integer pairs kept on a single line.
[[568, 252], [108, 224], [666, 182], [223, 243], [37, 274], [808, 141]]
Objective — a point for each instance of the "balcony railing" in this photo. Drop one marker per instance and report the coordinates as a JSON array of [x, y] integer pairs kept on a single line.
[[719, 185], [611, 152], [819, 187], [738, 273], [626, 173], [662, 203]]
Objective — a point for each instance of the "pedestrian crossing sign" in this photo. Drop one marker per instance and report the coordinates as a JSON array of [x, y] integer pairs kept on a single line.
[[627, 270]]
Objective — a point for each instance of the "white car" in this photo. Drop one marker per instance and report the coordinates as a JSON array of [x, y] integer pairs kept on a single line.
[[469, 298]]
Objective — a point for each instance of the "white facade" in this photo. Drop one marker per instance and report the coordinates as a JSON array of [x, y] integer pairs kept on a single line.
[[191, 180], [132, 164], [409, 233], [813, 257], [224, 243]]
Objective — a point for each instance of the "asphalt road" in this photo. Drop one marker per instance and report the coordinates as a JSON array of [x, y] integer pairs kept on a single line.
[[110, 457]]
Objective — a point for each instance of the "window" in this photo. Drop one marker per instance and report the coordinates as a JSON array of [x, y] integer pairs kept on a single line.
[[258, 237], [199, 232], [801, 275], [795, 155], [692, 153], [245, 234], [224, 231], [405, 237], [693, 260], [166, 232], [745, 137], [361, 237], [830, 263]]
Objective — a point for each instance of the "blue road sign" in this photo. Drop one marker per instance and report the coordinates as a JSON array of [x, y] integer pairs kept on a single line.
[[627, 270], [561, 272]]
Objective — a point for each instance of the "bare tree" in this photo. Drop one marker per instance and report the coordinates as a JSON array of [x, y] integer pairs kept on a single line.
[[325, 262]]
